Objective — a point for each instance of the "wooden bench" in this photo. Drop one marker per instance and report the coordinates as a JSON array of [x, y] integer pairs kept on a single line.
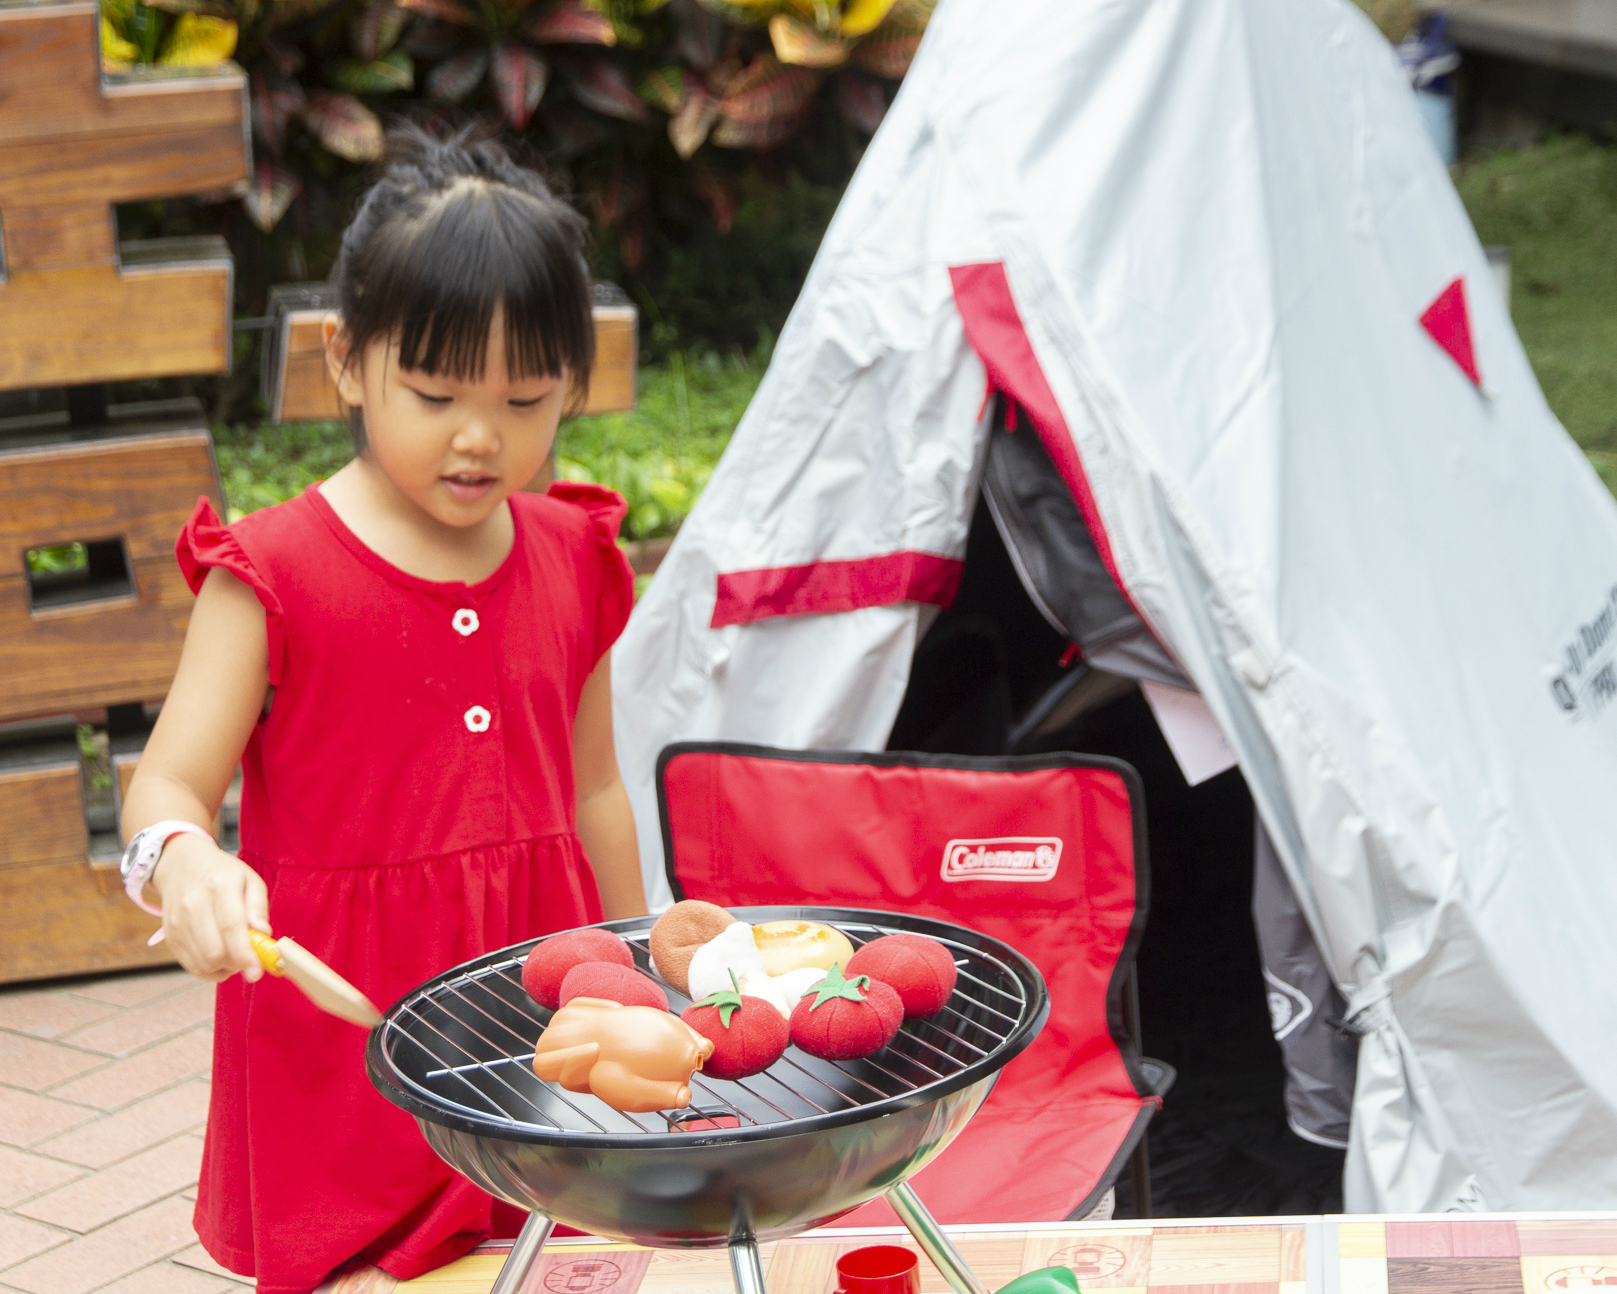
[[1573, 35], [297, 386]]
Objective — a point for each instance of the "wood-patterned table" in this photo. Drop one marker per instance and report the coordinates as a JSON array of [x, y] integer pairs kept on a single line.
[[1352, 1254]]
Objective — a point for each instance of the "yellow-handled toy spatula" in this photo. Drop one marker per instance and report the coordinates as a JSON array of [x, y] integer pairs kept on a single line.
[[320, 984]]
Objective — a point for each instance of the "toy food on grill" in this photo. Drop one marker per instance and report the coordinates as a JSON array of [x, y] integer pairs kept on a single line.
[[635, 1058], [782, 991], [612, 983], [792, 945], [844, 1019], [731, 952], [920, 970], [679, 932], [747, 1033], [547, 965]]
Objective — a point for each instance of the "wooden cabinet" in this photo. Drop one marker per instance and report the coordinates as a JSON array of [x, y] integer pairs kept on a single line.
[[76, 309]]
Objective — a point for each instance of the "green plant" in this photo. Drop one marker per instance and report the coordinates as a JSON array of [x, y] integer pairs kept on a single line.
[[1555, 207], [495, 44], [95, 756], [310, 62], [178, 33], [660, 456], [58, 558], [262, 465]]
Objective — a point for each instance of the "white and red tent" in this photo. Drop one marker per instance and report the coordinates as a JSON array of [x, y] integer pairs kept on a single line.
[[1205, 251]]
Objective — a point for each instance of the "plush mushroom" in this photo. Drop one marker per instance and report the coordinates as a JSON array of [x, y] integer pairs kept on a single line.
[[731, 952], [679, 932]]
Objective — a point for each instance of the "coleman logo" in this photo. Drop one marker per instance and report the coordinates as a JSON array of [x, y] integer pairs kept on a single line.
[[1008, 858]]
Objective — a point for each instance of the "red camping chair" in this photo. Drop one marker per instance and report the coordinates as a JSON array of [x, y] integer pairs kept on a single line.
[[1045, 852]]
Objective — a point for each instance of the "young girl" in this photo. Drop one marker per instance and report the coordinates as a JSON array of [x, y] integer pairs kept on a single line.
[[411, 664]]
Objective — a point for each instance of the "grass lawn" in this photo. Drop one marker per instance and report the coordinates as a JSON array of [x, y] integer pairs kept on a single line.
[[1553, 205]]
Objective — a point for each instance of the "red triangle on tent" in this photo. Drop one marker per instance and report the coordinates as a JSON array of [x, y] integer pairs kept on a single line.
[[1449, 324]]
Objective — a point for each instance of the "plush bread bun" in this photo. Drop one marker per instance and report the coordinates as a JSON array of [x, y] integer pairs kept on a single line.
[[792, 945], [679, 932]]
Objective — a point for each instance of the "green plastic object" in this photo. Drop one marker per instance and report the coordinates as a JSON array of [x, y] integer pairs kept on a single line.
[[1047, 1280]]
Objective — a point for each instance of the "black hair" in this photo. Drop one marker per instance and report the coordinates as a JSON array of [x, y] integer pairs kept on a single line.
[[453, 228]]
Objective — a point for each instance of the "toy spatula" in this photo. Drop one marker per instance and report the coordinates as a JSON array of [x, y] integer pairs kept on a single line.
[[320, 984]]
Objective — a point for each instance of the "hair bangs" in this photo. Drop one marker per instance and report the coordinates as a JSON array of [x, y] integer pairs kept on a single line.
[[480, 249], [454, 230]]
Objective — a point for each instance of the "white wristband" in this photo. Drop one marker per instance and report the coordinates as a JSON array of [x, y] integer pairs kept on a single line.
[[141, 858]]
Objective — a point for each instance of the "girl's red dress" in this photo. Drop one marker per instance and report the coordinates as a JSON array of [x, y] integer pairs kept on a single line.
[[409, 801]]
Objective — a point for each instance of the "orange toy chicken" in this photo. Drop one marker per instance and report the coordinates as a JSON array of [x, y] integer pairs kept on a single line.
[[635, 1058]]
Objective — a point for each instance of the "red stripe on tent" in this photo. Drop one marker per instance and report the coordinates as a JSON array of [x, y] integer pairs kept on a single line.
[[819, 588], [982, 294]]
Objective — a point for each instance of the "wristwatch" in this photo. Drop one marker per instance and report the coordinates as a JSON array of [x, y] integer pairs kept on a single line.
[[140, 859]]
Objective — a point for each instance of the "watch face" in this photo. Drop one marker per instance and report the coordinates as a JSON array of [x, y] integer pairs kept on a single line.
[[131, 855]]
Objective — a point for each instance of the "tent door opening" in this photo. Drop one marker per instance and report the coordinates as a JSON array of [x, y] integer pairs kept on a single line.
[[1040, 651]]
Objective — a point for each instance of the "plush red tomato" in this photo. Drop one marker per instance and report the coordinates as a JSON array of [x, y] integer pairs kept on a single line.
[[552, 958], [844, 1019], [748, 1034], [920, 970], [614, 983]]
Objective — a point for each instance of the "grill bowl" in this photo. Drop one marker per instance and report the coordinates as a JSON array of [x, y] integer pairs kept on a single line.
[[765, 1157]]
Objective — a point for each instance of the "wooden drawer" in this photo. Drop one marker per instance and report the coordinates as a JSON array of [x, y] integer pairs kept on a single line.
[[116, 643], [42, 815]]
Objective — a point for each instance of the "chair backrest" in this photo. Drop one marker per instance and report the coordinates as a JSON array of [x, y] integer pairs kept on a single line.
[[1046, 852]]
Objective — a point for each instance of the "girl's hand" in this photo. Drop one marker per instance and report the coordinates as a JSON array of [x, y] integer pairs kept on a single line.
[[209, 901]]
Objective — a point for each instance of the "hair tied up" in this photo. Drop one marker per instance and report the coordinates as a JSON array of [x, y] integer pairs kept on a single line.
[[453, 228]]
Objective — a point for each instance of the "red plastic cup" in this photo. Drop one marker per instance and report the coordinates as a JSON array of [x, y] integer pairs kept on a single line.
[[879, 1269]]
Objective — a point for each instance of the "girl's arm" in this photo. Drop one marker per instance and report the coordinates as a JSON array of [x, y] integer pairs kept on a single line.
[[605, 824], [209, 898]]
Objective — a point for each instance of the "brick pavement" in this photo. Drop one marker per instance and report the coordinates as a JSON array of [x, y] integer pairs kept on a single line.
[[103, 1094]]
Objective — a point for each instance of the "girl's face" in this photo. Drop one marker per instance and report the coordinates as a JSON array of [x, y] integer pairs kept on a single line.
[[457, 448]]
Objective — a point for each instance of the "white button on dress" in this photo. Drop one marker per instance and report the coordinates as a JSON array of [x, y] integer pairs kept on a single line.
[[465, 622], [477, 719]]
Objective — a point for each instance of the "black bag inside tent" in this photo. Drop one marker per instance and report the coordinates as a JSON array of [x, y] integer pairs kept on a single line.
[[1039, 651]]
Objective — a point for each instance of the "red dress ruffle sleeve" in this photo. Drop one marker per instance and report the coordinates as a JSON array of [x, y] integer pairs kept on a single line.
[[606, 510], [206, 542]]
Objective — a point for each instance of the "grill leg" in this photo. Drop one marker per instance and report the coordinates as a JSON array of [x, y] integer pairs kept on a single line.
[[745, 1266], [937, 1246], [524, 1254]]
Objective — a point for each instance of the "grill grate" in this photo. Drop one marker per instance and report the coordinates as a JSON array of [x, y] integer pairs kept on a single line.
[[464, 1045]]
